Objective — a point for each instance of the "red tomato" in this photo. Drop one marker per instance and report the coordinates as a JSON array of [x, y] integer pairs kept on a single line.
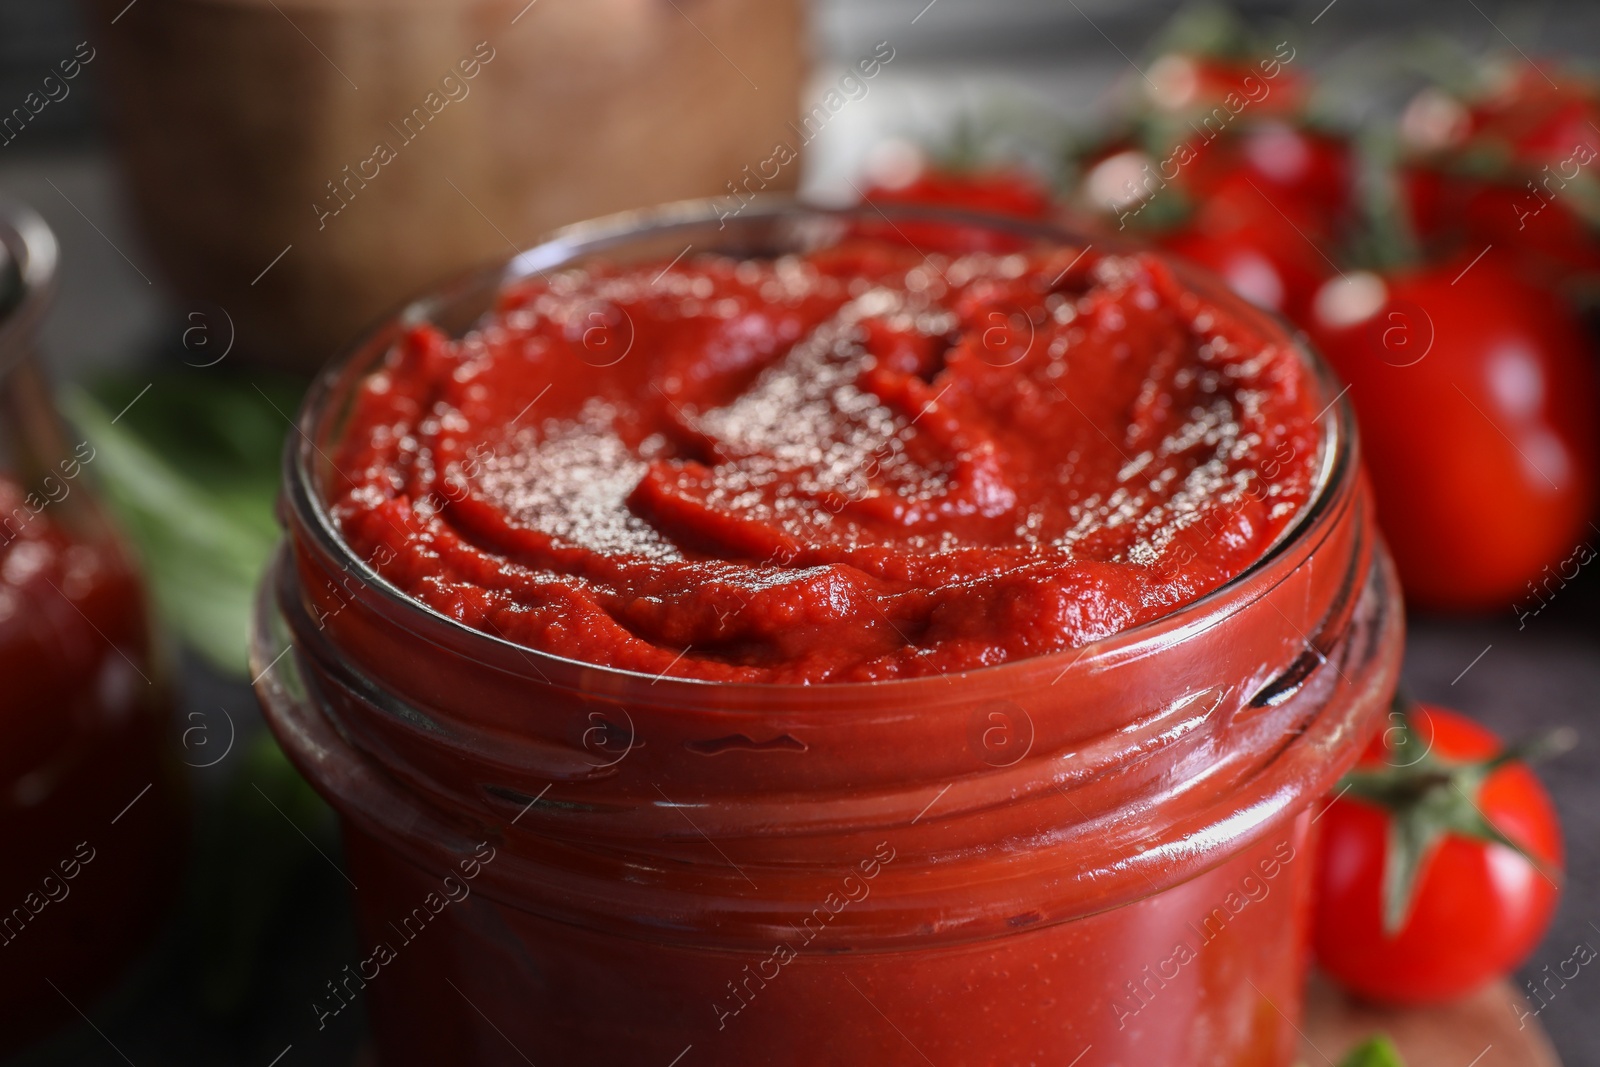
[[1476, 396], [1008, 193], [1267, 247], [1218, 163], [1537, 118], [1479, 908], [1511, 170], [1257, 201], [1305, 172], [1190, 83], [1538, 231], [1431, 201]]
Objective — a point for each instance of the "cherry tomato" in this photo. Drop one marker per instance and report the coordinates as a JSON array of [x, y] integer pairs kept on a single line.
[[1009, 193], [1188, 82], [1537, 230], [1267, 247], [1305, 172], [1476, 396], [1534, 116], [1515, 169], [1478, 908], [1221, 168]]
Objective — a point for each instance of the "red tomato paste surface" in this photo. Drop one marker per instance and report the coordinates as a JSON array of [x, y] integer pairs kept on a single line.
[[854, 464]]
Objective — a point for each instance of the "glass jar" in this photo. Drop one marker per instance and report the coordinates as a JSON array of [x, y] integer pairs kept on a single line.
[[556, 862], [91, 810]]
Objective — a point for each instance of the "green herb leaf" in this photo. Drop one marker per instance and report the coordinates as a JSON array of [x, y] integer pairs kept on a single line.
[[1374, 1052], [191, 474]]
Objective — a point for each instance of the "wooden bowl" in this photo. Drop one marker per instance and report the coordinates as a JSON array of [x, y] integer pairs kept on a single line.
[[306, 164]]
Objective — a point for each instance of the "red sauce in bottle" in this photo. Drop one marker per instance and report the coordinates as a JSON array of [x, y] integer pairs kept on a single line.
[[91, 804], [90, 816]]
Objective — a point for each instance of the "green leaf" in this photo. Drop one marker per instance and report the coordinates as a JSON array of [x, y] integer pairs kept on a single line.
[[1386, 238], [191, 474], [1411, 844], [1374, 1052], [1208, 29]]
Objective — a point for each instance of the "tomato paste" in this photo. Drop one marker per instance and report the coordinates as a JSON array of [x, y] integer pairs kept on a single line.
[[852, 464]]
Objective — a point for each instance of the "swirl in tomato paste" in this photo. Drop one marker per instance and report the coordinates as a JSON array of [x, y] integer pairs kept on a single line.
[[853, 464]]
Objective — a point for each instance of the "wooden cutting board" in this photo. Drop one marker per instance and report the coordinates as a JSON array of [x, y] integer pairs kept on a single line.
[[1480, 1031]]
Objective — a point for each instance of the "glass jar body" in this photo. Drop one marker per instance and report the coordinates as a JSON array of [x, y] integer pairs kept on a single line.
[[1106, 847], [1177, 977]]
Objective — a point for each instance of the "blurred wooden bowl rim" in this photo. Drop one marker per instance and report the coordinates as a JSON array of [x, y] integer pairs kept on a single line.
[[241, 125]]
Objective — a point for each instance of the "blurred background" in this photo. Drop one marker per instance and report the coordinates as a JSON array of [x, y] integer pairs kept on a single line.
[[214, 251]]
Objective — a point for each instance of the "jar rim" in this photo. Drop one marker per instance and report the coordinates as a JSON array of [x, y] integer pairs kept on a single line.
[[1336, 461]]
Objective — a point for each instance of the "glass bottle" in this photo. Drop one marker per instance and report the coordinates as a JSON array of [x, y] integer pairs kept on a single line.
[[91, 793]]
